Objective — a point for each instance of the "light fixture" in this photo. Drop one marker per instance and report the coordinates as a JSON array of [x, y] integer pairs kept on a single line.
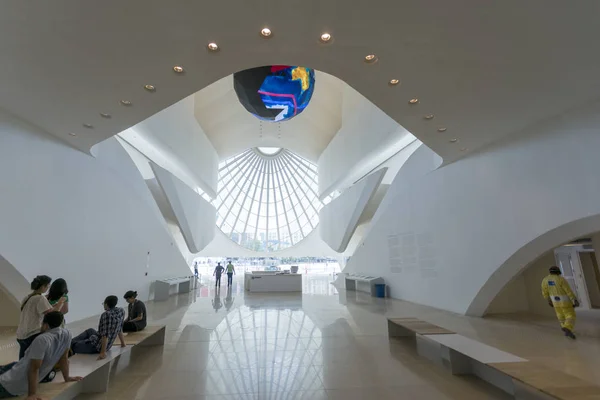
[[441, 129], [126, 103], [394, 82], [178, 69], [371, 58], [413, 101], [325, 37], [105, 115], [463, 149], [89, 126], [213, 46], [150, 88], [266, 32], [428, 116], [453, 140], [72, 134]]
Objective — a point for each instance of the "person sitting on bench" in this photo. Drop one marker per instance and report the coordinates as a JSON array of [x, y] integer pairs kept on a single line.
[[46, 350], [109, 327], [136, 313]]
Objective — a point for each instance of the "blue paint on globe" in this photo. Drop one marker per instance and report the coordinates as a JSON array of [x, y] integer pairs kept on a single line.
[[275, 93]]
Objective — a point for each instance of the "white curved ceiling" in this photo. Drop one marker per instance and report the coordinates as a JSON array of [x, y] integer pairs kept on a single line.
[[485, 69], [232, 129]]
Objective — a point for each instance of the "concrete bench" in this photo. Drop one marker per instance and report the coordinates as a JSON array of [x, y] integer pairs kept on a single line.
[[96, 373], [515, 375]]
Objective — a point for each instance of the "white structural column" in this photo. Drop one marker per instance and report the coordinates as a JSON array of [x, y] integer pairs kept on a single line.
[[195, 216], [339, 219]]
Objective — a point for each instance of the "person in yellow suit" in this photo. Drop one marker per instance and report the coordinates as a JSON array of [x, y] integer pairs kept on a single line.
[[558, 293]]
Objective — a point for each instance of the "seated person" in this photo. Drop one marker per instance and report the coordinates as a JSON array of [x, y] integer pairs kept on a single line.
[[136, 313], [109, 327], [46, 350]]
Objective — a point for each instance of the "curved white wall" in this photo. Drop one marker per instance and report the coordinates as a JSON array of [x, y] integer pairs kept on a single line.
[[67, 214], [447, 237]]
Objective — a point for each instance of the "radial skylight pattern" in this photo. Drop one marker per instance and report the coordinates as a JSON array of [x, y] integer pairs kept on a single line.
[[267, 198]]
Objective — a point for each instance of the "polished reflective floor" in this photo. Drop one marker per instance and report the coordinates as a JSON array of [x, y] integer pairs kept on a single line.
[[321, 344]]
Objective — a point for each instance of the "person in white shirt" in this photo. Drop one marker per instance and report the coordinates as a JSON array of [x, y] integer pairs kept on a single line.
[[50, 347], [33, 309]]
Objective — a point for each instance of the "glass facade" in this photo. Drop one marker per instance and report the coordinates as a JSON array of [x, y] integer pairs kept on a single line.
[[267, 198]]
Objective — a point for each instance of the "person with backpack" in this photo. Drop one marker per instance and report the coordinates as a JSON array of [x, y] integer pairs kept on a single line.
[[49, 348], [33, 309], [57, 291]]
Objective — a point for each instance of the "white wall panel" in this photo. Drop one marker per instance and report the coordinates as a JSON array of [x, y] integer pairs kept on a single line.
[[69, 215], [453, 237], [338, 220], [195, 216]]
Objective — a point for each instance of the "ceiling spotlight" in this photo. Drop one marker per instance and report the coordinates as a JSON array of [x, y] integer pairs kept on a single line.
[[105, 115], [213, 46], [266, 32], [371, 58], [441, 129], [72, 134], [413, 101], [394, 82], [453, 140], [326, 37], [89, 126], [126, 103], [178, 69], [428, 116], [150, 88], [463, 149]]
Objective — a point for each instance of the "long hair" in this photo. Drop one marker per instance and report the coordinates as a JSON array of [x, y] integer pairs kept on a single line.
[[57, 290]]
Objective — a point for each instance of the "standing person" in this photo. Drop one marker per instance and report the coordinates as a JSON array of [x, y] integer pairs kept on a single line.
[[136, 313], [558, 293], [230, 272], [218, 271], [50, 347], [196, 268], [58, 290], [33, 309], [109, 327]]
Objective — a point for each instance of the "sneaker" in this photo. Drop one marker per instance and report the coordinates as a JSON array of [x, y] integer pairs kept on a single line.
[[569, 333]]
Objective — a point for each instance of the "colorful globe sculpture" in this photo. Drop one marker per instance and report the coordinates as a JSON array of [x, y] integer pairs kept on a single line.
[[275, 92]]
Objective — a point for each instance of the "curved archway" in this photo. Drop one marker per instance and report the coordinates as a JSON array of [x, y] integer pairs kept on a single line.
[[13, 286], [526, 255]]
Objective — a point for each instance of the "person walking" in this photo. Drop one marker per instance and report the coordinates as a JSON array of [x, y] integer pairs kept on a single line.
[[558, 293], [33, 309], [218, 271], [230, 272], [136, 313], [196, 269]]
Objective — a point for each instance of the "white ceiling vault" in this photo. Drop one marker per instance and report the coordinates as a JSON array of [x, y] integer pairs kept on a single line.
[[485, 70], [232, 129]]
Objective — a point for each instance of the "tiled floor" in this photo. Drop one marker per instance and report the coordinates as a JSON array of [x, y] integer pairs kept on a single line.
[[318, 345]]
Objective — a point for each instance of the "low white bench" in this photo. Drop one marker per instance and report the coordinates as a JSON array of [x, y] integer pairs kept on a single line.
[[96, 373], [363, 283], [162, 287]]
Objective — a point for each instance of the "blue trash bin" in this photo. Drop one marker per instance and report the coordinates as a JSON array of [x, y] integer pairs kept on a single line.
[[380, 289]]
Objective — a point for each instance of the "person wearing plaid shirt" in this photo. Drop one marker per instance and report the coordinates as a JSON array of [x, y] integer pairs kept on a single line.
[[109, 327]]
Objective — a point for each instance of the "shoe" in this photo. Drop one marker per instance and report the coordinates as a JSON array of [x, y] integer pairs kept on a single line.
[[569, 333]]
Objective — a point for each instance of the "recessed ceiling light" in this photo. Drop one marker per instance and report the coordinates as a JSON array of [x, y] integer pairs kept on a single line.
[[463, 149], [178, 69], [105, 115], [325, 37], [89, 126], [453, 140], [371, 58], [126, 103], [150, 88], [441, 129], [428, 116], [413, 101], [72, 134], [213, 47], [266, 32], [394, 82]]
